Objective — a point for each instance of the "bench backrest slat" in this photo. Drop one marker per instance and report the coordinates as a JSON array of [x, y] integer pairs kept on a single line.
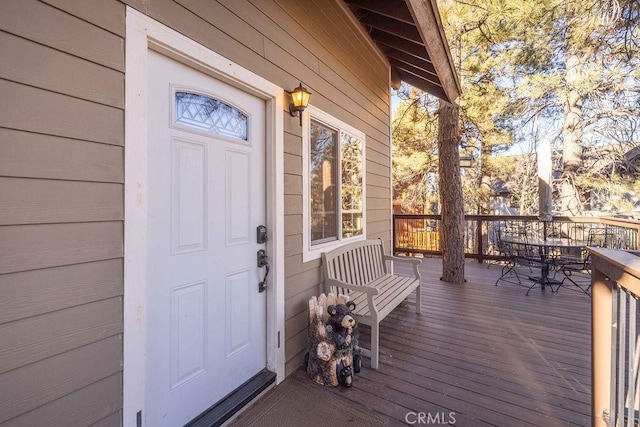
[[356, 263]]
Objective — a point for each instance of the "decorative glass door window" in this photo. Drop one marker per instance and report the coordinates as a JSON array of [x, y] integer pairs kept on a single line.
[[210, 115]]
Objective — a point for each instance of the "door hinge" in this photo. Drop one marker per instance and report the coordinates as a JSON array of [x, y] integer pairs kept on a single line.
[[139, 419]]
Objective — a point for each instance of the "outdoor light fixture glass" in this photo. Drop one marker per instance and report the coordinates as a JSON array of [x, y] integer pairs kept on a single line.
[[300, 100]]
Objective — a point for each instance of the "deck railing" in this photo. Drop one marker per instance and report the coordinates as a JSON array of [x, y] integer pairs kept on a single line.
[[615, 345], [419, 234], [615, 280]]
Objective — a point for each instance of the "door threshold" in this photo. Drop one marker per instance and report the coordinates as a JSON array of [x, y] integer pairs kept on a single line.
[[229, 405]]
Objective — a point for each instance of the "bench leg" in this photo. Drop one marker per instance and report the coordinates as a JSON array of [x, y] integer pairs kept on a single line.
[[419, 299], [375, 344]]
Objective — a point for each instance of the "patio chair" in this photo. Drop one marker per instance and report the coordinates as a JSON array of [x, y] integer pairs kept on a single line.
[[508, 252], [495, 248], [522, 262], [576, 267], [604, 238]]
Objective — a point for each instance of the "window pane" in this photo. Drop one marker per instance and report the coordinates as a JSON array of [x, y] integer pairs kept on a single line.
[[351, 185], [323, 180], [211, 115]]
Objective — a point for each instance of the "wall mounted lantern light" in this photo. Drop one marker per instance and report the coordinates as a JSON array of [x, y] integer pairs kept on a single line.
[[300, 100]]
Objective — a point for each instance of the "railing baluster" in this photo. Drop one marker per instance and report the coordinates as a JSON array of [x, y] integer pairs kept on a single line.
[[622, 332], [614, 349], [631, 378]]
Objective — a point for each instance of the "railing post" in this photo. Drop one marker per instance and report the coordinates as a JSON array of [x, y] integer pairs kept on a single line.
[[601, 328], [479, 239]]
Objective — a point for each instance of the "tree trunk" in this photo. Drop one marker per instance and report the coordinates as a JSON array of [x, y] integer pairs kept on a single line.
[[452, 224], [572, 131]]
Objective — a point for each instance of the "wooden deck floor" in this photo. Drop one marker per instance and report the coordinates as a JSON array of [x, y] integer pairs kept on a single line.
[[481, 355]]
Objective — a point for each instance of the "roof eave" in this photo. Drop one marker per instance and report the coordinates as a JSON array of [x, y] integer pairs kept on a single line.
[[427, 20]]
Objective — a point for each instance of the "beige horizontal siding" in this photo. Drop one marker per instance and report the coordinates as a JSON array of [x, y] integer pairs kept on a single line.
[[341, 52], [114, 419], [36, 292], [293, 142], [296, 337], [378, 228], [36, 21], [296, 312], [37, 201], [227, 22], [61, 230], [294, 265], [106, 14], [34, 155], [297, 341], [373, 156], [293, 225], [293, 164], [37, 384], [60, 115], [292, 184], [379, 215], [29, 247], [93, 403], [378, 169], [378, 180], [37, 338], [293, 245], [375, 203], [296, 323], [299, 302], [302, 280], [64, 73], [380, 193], [293, 204]]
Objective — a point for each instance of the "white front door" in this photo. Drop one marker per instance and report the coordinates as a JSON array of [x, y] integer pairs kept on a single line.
[[206, 332]]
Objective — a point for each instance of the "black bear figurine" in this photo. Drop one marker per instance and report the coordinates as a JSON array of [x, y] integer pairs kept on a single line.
[[341, 323]]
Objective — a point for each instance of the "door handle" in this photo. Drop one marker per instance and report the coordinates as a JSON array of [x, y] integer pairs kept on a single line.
[[262, 262]]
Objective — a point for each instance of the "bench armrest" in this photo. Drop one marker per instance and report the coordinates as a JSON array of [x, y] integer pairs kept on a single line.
[[413, 261], [369, 290]]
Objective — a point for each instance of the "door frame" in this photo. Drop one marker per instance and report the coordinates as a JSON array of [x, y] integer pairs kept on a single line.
[[143, 34]]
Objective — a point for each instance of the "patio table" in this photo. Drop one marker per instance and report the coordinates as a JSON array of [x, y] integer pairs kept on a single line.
[[545, 247]]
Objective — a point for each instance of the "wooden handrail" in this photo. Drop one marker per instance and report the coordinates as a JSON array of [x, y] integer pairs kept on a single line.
[[610, 268]]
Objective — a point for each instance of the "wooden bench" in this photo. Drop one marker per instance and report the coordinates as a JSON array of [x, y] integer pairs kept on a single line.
[[360, 271]]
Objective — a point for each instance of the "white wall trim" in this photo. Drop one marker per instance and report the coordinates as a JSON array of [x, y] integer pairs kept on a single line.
[[142, 34]]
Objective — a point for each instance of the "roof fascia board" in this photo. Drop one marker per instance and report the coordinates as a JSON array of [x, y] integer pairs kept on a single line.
[[427, 20]]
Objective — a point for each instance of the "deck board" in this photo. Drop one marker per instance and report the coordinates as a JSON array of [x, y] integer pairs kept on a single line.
[[490, 354]]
